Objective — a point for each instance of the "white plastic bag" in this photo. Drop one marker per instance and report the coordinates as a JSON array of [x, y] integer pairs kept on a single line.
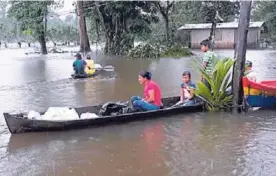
[[34, 115], [60, 113], [89, 116]]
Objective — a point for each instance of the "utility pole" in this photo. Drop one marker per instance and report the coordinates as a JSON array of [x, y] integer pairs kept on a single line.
[[241, 45]]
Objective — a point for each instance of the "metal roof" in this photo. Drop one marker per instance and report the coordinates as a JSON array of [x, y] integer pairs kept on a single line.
[[219, 25]]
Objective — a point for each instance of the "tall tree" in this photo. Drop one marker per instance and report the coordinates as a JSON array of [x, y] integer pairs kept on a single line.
[[122, 21], [84, 41], [238, 72], [31, 15], [164, 8]]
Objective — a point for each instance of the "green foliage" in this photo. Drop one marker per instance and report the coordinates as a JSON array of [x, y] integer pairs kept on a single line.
[[144, 51], [29, 14], [157, 51], [227, 10], [63, 33], [122, 22], [176, 51], [266, 11], [183, 12], [219, 80]]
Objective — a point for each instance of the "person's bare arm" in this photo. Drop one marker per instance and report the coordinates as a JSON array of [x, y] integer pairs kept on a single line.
[[191, 93], [182, 95], [151, 97]]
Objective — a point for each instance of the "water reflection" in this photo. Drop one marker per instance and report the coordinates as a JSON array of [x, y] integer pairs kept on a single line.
[[194, 144]]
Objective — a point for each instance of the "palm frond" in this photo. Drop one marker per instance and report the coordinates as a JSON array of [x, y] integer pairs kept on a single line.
[[219, 81]]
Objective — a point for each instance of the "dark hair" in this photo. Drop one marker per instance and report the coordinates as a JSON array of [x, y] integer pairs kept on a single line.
[[186, 73], [205, 42], [88, 57], [145, 74], [248, 63], [78, 56]]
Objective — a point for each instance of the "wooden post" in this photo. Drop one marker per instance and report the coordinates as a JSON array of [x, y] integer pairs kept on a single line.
[[241, 45]]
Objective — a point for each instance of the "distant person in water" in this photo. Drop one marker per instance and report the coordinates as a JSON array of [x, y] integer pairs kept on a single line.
[[90, 67], [152, 94], [208, 59], [187, 90], [79, 65], [249, 73]]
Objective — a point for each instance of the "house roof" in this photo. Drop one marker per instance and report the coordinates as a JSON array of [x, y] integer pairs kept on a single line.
[[229, 25]]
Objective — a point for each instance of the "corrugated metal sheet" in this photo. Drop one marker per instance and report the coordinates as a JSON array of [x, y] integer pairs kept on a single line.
[[230, 25]]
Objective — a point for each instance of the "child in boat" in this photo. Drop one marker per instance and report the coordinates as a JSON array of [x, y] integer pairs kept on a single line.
[[152, 94], [249, 73], [207, 60], [79, 65], [90, 67], [187, 90]]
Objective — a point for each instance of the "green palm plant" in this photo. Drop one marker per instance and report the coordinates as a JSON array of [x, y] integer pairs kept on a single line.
[[219, 80]]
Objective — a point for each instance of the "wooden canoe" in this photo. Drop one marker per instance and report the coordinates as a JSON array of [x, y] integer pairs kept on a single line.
[[18, 123], [82, 76], [260, 94]]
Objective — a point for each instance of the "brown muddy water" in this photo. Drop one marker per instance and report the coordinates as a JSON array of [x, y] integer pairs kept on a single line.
[[192, 144]]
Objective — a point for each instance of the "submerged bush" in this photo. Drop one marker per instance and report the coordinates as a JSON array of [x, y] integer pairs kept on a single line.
[[145, 51], [156, 51], [176, 51]]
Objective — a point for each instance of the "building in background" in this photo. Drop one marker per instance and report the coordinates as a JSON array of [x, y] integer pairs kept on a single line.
[[225, 34]]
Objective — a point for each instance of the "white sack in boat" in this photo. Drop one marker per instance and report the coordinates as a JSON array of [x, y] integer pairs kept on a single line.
[[89, 116], [60, 113], [34, 115]]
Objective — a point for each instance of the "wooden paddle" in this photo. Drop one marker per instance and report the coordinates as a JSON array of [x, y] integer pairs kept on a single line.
[[108, 68]]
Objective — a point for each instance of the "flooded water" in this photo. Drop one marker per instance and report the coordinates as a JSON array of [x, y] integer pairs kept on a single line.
[[192, 144]]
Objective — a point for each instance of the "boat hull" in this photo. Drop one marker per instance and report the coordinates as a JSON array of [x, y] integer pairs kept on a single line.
[[17, 124], [262, 94], [78, 76]]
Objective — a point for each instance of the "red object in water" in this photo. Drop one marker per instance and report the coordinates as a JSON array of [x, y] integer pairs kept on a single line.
[[267, 85]]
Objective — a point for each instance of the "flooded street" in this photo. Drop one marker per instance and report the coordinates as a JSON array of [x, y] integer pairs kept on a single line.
[[193, 144]]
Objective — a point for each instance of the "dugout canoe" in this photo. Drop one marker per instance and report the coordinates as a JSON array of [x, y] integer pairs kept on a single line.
[[83, 76], [18, 123]]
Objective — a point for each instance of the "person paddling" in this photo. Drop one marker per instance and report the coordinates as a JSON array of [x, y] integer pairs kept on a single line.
[[79, 65], [152, 94], [90, 67]]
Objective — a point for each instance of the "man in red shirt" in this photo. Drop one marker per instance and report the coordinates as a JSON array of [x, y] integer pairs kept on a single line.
[[152, 94]]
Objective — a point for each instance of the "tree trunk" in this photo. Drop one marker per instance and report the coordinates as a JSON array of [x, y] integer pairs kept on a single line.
[[212, 34], [45, 23], [41, 40], [241, 45], [84, 41], [167, 29], [29, 44]]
